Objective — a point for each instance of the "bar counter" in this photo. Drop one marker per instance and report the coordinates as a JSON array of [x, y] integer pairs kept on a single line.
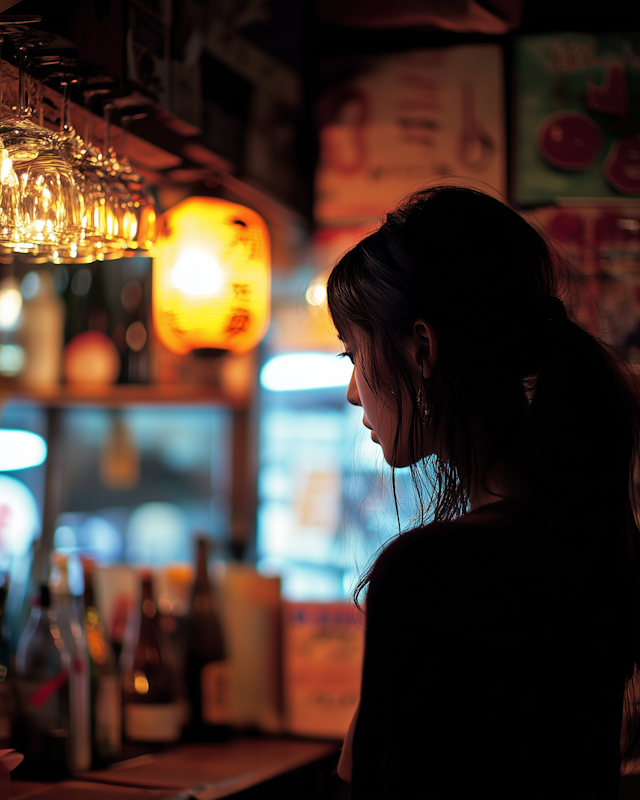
[[249, 766]]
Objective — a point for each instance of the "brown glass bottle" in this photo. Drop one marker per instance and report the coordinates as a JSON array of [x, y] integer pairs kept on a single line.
[[151, 710], [207, 666]]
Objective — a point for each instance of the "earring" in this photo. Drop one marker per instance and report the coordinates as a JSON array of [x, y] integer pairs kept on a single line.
[[422, 404]]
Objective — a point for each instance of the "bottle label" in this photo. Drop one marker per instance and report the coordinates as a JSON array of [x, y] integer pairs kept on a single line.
[[152, 722], [46, 703], [45, 691], [215, 688], [108, 716]]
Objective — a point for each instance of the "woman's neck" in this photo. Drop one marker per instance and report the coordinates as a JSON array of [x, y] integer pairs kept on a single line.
[[504, 480]]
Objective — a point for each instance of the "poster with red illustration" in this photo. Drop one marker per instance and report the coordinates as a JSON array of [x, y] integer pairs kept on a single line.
[[600, 245], [390, 124], [577, 116]]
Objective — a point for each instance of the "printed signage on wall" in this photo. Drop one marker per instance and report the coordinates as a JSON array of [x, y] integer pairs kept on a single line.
[[402, 121], [578, 116]]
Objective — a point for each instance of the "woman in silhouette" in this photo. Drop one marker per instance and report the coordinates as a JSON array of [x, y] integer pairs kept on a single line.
[[501, 631]]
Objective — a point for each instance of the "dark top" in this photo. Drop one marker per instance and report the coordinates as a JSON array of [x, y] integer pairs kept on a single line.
[[490, 666]]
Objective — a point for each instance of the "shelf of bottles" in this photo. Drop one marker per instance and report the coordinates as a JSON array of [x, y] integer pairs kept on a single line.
[[80, 704]]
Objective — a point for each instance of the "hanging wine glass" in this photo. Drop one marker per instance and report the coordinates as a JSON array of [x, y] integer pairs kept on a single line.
[[9, 184], [23, 139], [141, 223], [72, 147], [50, 205], [120, 219]]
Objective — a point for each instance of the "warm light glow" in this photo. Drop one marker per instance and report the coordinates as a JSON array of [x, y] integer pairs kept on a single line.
[[316, 294], [295, 371], [7, 173], [140, 683], [197, 274], [211, 277], [10, 303], [136, 336], [21, 449]]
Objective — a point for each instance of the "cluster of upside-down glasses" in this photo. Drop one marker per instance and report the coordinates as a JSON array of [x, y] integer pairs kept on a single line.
[[64, 201]]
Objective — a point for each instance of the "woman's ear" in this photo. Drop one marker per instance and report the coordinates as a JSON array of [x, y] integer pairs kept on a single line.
[[424, 347]]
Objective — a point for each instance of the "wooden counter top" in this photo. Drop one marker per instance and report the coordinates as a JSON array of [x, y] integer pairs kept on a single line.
[[83, 790], [203, 771]]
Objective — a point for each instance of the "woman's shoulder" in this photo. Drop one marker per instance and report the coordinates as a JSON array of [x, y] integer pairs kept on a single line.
[[496, 537], [495, 524]]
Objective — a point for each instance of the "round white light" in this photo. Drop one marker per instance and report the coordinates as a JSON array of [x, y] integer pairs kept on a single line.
[[295, 371], [316, 294], [20, 450], [197, 274]]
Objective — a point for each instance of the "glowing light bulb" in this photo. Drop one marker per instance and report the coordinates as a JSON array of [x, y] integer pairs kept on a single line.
[[197, 274]]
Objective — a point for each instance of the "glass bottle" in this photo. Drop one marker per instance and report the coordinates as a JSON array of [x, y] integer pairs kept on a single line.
[[65, 616], [6, 692], [106, 699], [152, 712], [207, 667], [42, 670]]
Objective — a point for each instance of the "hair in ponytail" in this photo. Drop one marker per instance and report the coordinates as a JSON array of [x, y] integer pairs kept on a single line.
[[549, 395]]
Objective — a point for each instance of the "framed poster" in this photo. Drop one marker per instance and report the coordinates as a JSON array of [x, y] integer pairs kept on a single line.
[[577, 117], [391, 124], [600, 246]]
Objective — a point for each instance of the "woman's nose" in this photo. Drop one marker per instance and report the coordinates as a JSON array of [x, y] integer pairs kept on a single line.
[[352, 390]]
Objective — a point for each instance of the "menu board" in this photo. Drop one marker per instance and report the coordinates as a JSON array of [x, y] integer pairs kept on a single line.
[[577, 116], [402, 121], [323, 645]]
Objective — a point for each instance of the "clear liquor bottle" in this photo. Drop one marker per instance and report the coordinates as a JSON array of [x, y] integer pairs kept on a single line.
[[65, 616]]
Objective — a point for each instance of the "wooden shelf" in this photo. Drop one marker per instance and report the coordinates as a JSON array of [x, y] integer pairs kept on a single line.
[[123, 395]]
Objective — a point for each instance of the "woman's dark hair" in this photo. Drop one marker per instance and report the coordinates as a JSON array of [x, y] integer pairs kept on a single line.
[[510, 362]]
